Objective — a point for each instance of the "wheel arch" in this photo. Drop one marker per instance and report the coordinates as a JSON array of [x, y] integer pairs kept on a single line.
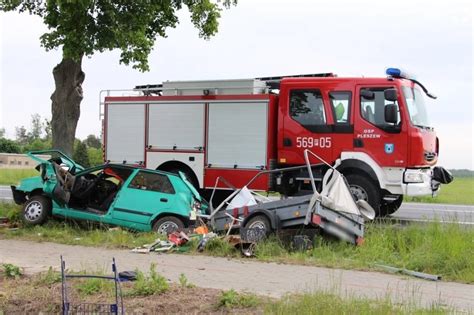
[[270, 215], [171, 166], [353, 166], [169, 214]]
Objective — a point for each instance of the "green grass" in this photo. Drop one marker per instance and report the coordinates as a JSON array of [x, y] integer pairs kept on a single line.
[[460, 191], [232, 299], [13, 176], [150, 284], [443, 249], [330, 303]]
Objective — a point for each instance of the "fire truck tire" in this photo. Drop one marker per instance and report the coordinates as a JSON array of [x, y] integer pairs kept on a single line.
[[365, 189], [168, 224], [259, 221], [387, 208]]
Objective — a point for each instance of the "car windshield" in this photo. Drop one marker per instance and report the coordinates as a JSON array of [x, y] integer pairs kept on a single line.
[[416, 106]]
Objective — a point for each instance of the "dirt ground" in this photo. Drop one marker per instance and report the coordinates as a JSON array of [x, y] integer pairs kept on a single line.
[[26, 296], [264, 279]]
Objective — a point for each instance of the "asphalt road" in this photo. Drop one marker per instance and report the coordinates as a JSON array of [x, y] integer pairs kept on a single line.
[[270, 279], [407, 212]]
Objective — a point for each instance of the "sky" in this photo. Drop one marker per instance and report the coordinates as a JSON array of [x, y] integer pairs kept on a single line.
[[431, 39]]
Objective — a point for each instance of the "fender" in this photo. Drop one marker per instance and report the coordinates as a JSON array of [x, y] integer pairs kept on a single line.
[[271, 215], [364, 162]]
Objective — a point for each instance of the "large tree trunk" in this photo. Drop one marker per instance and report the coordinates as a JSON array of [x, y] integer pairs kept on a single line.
[[66, 101]]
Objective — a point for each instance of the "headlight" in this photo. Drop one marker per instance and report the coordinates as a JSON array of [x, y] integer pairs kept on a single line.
[[197, 205], [413, 176]]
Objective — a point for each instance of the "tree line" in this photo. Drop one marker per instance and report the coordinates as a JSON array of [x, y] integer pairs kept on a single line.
[[87, 152]]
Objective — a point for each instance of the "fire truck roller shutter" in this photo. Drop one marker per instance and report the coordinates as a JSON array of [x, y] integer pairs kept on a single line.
[[176, 126], [237, 135], [125, 133]]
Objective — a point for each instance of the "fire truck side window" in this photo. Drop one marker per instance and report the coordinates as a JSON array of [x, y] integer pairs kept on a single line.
[[340, 103], [307, 108], [372, 107]]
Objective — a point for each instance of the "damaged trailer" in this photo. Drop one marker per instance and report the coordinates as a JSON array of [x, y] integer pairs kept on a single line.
[[333, 210]]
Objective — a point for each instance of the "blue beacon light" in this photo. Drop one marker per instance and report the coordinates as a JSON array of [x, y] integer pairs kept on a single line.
[[394, 72]]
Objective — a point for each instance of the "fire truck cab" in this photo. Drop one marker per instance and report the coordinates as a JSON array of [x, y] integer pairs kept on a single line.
[[376, 130]]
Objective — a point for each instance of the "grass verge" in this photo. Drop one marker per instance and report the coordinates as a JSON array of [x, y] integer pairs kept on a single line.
[[460, 191], [443, 249], [13, 176], [330, 303], [41, 293]]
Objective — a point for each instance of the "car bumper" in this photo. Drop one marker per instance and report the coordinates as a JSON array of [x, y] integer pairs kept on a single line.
[[18, 196]]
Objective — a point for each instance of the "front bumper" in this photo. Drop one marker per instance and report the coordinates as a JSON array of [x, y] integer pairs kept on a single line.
[[18, 196], [424, 185]]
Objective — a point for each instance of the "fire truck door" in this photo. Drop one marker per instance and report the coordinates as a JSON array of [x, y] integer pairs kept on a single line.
[[305, 126], [383, 141]]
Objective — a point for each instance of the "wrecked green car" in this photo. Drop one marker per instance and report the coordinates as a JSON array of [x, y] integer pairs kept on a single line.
[[115, 194]]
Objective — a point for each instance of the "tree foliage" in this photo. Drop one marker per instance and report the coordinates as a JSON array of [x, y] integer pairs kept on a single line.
[[9, 146], [83, 27], [93, 142], [80, 154]]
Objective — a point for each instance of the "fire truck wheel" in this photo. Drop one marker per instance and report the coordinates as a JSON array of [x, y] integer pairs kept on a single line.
[[387, 208], [363, 188], [259, 222], [168, 224]]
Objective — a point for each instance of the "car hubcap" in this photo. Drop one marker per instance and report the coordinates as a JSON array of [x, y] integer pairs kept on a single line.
[[358, 193], [167, 227], [258, 225], [33, 211]]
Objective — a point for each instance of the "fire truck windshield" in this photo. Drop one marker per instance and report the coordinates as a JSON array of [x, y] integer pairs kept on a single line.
[[416, 106]]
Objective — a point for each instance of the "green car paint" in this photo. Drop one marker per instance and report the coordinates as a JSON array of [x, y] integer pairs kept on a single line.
[[131, 207]]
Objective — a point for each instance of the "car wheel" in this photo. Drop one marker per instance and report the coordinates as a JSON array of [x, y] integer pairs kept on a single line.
[[363, 188], [389, 207], [168, 225], [36, 210], [259, 222]]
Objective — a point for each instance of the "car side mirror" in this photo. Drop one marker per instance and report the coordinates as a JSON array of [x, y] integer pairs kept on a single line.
[[390, 95], [391, 113], [367, 94]]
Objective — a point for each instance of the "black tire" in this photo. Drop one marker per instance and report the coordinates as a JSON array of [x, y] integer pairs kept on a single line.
[[389, 207], [259, 221], [365, 189], [36, 210], [168, 224]]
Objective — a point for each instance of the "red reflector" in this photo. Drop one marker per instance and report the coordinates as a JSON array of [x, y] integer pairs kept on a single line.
[[246, 211], [360, 241], [316, 219], [236, 213]]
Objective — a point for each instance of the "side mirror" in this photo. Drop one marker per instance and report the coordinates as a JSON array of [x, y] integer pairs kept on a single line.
[[391, 113], [390, 95], [367, 94]]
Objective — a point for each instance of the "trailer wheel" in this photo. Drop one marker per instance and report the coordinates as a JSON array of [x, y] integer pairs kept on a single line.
[[36, 210], [167, 225], [259, 222], [363, 188], [387, 208]]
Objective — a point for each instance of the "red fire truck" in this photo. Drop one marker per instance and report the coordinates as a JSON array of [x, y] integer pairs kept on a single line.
[[375, 129]]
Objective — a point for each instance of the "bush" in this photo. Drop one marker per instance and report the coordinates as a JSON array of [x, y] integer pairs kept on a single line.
[[231, 298], [153, 284], [11, 271], [9, 146]]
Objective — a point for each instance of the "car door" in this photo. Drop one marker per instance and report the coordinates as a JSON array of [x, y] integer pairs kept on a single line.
[[144, 195]]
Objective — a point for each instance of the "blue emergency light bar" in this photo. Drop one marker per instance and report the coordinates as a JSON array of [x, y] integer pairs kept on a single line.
[[394, 72]]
